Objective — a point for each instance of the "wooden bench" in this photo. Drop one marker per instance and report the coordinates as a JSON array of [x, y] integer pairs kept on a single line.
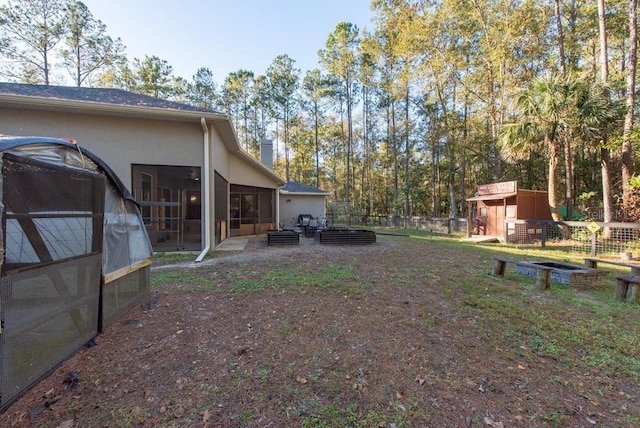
[[627, 288], [593, 264], [543, 273]]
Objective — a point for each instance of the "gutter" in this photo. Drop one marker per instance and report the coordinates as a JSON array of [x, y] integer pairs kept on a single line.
[[207, 193]]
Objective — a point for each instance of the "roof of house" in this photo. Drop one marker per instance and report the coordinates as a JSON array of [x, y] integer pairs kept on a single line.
[[300, 188], [95, 95]]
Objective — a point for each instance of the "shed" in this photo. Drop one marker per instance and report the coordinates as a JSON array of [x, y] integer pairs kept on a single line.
[[298, 198], [498, 203], [75, 255]]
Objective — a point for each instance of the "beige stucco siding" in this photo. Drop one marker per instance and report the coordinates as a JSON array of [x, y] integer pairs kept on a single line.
[[292, 205], [119, 141], [219, 154], [243, 173]]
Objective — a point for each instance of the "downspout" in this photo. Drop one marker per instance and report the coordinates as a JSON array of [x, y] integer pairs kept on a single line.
[[278, 208], [207, 193]]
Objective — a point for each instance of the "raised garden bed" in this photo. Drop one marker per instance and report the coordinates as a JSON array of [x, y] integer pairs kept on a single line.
[[283, 237], [345, 236]]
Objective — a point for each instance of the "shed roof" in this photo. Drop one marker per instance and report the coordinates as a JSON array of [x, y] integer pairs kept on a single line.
[[294, 187], [493, 197]]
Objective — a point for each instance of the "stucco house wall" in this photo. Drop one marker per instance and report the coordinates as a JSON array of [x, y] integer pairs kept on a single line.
[[241, 173], [120, 141], [291, 206], [298, 198]]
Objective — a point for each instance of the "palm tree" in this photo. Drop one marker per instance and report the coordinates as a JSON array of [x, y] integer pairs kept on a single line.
[[552, 111], [542, 120]]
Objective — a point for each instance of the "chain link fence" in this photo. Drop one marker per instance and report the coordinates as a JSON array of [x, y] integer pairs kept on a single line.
[[621, 239]]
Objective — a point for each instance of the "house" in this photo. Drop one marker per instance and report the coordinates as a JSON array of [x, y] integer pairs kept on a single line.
[[298, 198], [184, 165]]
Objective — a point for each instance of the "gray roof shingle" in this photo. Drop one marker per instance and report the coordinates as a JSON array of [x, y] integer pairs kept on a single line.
[[97, 95], [296, 187]]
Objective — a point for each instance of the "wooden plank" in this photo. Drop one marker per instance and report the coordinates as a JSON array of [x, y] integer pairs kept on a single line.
[[543, 274], [632, 293], [593, 264], [110, 277], [500, 265], [621, 288], [627, 288], [543, 278]]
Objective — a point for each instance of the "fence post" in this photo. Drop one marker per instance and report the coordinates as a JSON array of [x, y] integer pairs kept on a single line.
[[594, 241], [543, 234]]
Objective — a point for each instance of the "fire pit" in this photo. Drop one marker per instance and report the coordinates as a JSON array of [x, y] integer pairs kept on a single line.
[[565, 273]]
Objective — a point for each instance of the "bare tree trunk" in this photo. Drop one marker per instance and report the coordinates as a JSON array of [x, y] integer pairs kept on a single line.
[[568, 155], [406, 158], [568, 165], [627, 154], [554, 152], [556, 9], [553, 166], [605, 156], [349, 147]]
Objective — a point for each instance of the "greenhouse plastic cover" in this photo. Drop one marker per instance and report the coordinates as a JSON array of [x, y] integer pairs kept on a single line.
[[125, 239]]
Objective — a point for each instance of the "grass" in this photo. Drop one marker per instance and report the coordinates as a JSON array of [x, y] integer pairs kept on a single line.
[[344, 278], [573, 332], [589, 322]]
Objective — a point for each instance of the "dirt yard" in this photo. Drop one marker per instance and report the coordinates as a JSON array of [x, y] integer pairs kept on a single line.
[[403, 333]]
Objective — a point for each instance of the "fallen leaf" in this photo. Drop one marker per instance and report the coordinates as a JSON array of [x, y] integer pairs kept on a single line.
[[179, 412], [66, 424], [205, 416], [521, 367], [301, 380]]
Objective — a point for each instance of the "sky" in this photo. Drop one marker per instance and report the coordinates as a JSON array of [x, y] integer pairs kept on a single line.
[[227, 35]]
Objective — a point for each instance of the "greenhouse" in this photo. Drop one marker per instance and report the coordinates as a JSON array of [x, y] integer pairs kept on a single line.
[[75, 255]]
